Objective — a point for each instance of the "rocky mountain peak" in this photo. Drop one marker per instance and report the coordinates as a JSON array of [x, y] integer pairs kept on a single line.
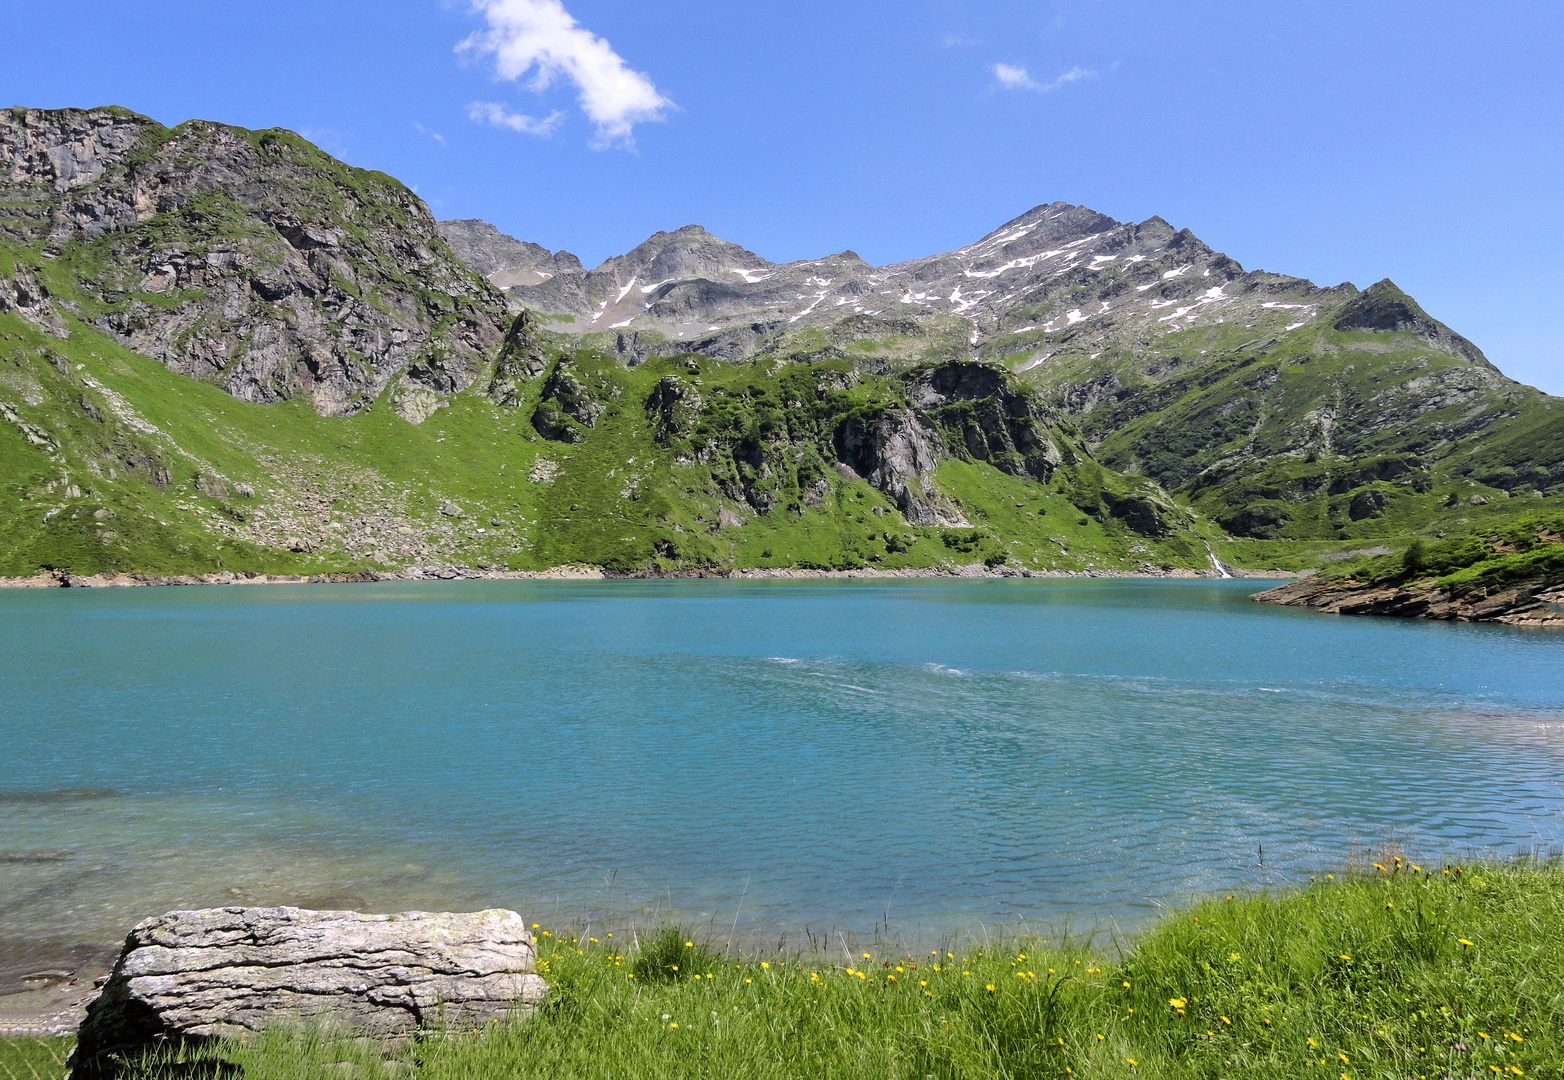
[[503, 259], [1384, 308], [684, 254]]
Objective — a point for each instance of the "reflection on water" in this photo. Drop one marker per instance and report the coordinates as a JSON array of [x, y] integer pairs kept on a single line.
[[914, 755]]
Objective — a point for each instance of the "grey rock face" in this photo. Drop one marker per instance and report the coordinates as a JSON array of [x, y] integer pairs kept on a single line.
[[70, 152], [198, 975], [27, 298], [892, 452], [413, 402], [248, 259], [1538, 601], [522, 358], [990, 419]]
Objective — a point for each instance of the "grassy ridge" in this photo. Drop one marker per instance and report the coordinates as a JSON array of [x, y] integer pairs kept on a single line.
[[1405, 971], [1528, 546], [118, 486]]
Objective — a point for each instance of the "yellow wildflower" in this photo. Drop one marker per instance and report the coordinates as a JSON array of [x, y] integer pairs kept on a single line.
[[1463, 941]]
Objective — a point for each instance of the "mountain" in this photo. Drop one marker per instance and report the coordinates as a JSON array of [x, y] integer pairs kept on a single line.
[[248, 259], [504, 260], [1267, 401], [222, 349]]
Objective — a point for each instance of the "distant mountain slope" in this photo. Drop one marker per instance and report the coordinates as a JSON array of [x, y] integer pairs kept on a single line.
[[1270, 401], [223, 349], [502, 259]]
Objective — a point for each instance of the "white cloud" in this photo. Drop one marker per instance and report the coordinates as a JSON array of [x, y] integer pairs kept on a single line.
[[435, 135], [1016, 78], [498, 115], [1013, 78], [541, 37]]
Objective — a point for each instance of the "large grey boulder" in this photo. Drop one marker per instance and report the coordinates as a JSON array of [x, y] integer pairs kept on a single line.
[[190, 976]]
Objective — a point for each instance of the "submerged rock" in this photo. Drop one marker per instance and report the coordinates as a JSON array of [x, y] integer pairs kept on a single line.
[[193, 976]]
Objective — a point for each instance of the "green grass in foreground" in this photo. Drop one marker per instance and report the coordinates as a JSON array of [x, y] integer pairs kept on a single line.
[[1403, 972]]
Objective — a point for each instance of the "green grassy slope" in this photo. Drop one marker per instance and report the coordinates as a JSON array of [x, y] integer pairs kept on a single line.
[[1323, 434], [135, 468], [1405, 971], [142, 469]]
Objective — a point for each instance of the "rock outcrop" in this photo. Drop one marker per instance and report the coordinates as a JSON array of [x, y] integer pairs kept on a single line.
[[1537, 602], [192, 976], [523, 357], [893, 452], [250, 259], [987, 417]]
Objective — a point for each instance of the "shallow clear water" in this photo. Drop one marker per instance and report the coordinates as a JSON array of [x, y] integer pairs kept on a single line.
[[914, 755]]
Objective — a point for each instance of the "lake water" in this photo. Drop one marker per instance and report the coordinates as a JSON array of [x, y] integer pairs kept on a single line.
[[901, 757]]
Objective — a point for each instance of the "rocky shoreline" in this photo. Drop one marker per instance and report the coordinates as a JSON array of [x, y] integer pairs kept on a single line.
[[61, 579], [1536, 602]]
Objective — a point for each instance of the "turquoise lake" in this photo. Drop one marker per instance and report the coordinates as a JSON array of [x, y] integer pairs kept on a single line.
[[908, 758]]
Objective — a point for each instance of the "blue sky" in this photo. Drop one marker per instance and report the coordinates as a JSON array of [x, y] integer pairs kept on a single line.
[[1332, 140]]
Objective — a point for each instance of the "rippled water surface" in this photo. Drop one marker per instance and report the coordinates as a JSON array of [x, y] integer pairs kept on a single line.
[[914, 755]]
